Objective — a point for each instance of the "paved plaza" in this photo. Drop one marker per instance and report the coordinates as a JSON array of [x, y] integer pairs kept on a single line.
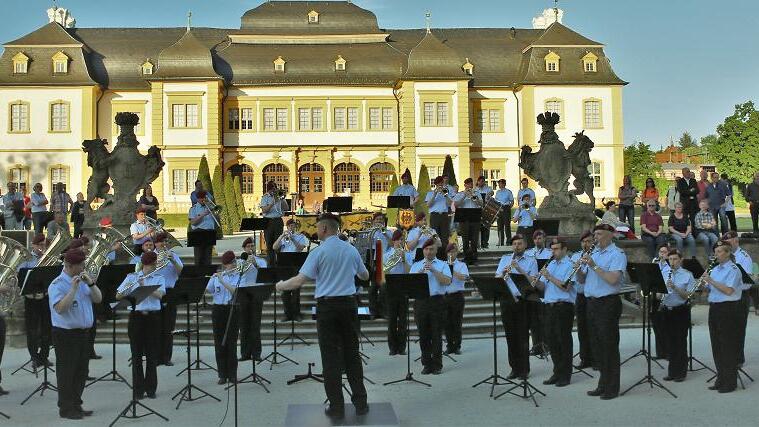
[[451, 401]]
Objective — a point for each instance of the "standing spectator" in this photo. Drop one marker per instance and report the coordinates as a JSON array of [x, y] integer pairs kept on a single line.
[[752, 197], [650, 193], [149, 202], [672, 196], [77, 215], [651, 229], [729, 209], [13, 208], [627, 194], [526, 190], [58, 224], [505, 197], [681, 230], [198, 188], [39, 204], [688, 191], [702, 184], [706, 228], [61, 200], [716, 195]]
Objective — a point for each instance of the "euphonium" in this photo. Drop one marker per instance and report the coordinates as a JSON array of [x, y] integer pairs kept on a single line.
[[391, 261], [52, 255], [98, 255], [12, 255], [171, 241]]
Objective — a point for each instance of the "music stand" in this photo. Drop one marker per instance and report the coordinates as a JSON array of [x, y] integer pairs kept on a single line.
[[528, 390], [22, 278], [549, 226], [408, 286], [361, 284], [131, 300], [188, 290], [109, 279], [291, 262], [192, 272], [37, 281], [468, 215], [398, 202], [651, 282], [262, 292], [272, 275], [253, 224], [493, 289], [697, 270], [201, 237], [644, 307], [338, 204]]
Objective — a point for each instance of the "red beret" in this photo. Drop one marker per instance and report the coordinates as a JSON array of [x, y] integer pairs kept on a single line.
[[420, 216], [730, 235], [201, 194], [148, 258], [228, 257], [139, 210], [247, 241], [438, 180], [38, 239], [604, 227], [161, 237], [397, 234], [585, 234], [538, 233], [428, 243], [406, 173], [105, 222], [450, 247], [75, 256], [75, 244]]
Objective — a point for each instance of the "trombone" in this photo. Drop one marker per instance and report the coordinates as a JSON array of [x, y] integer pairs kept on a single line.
[[213, 209]]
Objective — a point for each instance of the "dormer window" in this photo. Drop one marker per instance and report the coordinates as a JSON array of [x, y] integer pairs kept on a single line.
[[589, 62], [147, 68], [468, 67], [313, 17], [60, 63], [340, 63], [279, 65], [20, 63], [552, 62]]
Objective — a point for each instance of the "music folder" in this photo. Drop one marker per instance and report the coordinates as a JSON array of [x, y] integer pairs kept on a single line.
[[134, 298], [338, 204], [400, 202], [253, 224], [467, 215], [201, 237], [549, 226]]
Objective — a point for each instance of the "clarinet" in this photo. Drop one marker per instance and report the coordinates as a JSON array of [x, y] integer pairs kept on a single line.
[[662, 306]]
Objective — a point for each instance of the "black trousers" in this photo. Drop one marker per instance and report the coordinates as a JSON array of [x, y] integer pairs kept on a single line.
[[93, 332], [250, 325], [744, 308], [536, 323], [336, 320], [724, 332], [675, 324], [291, 303], [690, 208], [271, 234], [396, 312], [559, 320], [37, 322], [168, 324], [754, 210], [503, 221], [603, 319], [470, 234], [144, 340], [656, 317], [202, 254], [441, 223], [428, 315], [2, 342], [454, 319], [514, 319], [731, 219], [583, 331], [484, 235], [375, 301], [72, 359], [226, 353]]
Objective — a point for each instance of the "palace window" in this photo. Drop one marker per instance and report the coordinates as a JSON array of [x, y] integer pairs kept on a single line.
[[556, 106], [279, 65], [278, 173], [59, 175], [380, 118], [489, 120], [311, 178], [147, 68], [240, 118], [380, 177], [19, 120], [347, 176], [552, 62], [592, 114], [281, 118], [589, 62], [275, 119], [313, 17], [309, 118], [491, 177], [185, 115], [245, 173], [340, 63], [183, 180], [435, 114], [594, 169], [59, 117], [18, 176], [345, 118], [60, 63], [20, 63]]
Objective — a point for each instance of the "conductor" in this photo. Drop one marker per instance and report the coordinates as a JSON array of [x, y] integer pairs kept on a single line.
[[333, 266]]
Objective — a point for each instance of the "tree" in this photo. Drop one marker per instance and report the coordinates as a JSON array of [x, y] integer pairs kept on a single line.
[[392, 214], [686, 141], [218, 194], [736, 148], [204, 175], [238, 198], [640, 163], [423, 186], [448, 170], [233, 213]]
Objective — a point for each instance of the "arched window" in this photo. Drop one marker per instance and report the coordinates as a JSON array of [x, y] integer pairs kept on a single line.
[[278, 173], [347, 175], [245, 172], [380, 177]]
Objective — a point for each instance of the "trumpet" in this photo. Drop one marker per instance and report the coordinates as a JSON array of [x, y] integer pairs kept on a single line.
[[578, 265], [702, 281]]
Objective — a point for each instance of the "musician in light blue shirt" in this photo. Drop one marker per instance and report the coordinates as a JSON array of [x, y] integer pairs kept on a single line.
[[140, 229], [675, 314], [559, 300], [526, 191], [439, 201], [251, 304], [291, 241], [724, 285], [539, 251], [334, 265], [396, 308], [655, 311], [454, 300], [505, 197], [407, 188], [170, 273], [524, 217], [583, 332], [202, 218], [416, 239], [743, 259], [222, 287]]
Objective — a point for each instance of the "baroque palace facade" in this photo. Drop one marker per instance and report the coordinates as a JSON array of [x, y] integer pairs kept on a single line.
[[313, 95]]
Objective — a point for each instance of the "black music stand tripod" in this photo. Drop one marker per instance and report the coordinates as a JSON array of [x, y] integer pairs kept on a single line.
[[651, 282], [275, 356], [408, 286], [36, 282], [528, 390], [292, 262], [493, 289], [130, 411], [109, 279], [697, 270], [192, 272], [645, 308], [262, 292]]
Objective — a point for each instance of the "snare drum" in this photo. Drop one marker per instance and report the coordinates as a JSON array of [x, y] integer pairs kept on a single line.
[[490, 212]]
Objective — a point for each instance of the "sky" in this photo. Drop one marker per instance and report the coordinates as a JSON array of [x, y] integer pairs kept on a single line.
[[688, 62]]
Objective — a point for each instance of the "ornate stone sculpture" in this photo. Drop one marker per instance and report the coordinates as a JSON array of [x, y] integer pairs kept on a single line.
[[551, 167], [126, 167]]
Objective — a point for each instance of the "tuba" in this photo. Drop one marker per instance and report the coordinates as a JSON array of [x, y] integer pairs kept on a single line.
[[102, 243], [12, 255], [158, 227], [52, 255]]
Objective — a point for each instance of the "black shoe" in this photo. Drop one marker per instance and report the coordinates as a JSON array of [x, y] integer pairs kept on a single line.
[[524, 376], [437, 371], [584, 365], [168, 363], [550, 381], [668, 378], [713, 387], [457, 351], [726, 390], [362, 409], [427, 370], [285, 319], [402, 352], [534, 351], [679, 379], [3, 392], [257, 358], [95, 357], [562, 383], [392, 353], [90, 378], [512, 375], [71, 415], [609, 396], [596, 392], [334, 412], [243, 358], [84, 412], [221, 381], [151, 395], [298, 317]]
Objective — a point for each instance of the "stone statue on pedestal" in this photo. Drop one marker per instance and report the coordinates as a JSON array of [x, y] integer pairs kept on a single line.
[[128, 169], [551, 167]]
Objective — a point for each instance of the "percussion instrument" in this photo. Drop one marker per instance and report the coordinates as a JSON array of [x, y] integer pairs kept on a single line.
[[406, 218], [490, 211]]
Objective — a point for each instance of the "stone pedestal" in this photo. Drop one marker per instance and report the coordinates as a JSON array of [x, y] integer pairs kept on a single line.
[[15, 335], [573, 219]]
